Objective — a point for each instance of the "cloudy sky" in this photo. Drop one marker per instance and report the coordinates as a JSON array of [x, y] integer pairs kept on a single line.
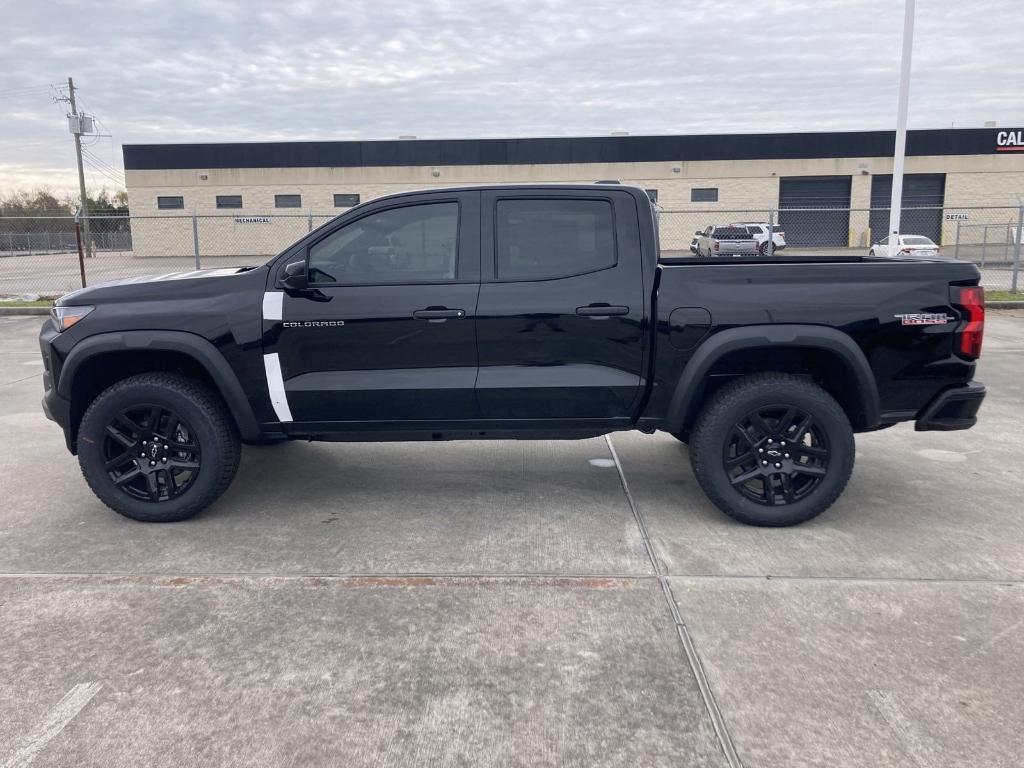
[[206, 70]]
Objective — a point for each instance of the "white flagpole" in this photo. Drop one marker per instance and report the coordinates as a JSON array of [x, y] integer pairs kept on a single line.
[[896, 202]]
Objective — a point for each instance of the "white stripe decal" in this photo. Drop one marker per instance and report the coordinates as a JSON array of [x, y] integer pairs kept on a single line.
[[275, 383], [273, 305]]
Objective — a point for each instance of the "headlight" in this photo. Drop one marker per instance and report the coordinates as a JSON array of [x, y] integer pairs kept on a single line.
[[64, 317]]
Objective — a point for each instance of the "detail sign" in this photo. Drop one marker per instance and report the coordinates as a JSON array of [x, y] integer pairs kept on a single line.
[[957, 217], [252, 219], [1010, 141]]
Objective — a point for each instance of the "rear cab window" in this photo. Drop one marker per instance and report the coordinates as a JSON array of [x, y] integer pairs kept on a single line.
[[546, 239]]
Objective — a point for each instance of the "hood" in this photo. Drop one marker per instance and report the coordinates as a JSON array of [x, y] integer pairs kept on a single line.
[[197, 274]]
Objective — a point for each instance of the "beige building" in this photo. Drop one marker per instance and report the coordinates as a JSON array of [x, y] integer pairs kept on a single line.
[[825, 189]]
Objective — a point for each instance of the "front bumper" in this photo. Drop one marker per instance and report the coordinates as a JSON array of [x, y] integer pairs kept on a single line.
[[55, 407], [955, 408]]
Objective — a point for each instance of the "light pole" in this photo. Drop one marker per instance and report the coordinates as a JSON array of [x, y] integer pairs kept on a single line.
[[896, 201]]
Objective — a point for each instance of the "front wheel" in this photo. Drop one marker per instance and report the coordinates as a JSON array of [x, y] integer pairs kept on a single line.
[[157, 447], [772, 449]]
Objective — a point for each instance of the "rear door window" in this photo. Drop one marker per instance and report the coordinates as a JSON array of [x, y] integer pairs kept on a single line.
[[548, 239]]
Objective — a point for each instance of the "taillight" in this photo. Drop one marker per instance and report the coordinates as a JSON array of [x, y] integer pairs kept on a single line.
[[971, 299]]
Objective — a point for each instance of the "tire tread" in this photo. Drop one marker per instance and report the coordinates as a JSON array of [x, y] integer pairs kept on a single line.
[[226, 438]]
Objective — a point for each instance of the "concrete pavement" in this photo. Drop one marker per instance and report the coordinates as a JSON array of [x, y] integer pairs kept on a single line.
[[495, 604]]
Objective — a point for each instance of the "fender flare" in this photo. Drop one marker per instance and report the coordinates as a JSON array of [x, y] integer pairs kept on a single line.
[[684, 399], [196, 347]]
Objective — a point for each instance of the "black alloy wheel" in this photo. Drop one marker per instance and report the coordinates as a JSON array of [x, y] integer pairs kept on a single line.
[[150, 453], [776, 455], [158, 447], [772, 449]]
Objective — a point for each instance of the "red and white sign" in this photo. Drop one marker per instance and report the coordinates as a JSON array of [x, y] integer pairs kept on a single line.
[[1010, 141]]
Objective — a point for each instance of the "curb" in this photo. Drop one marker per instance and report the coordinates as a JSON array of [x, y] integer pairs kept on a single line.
[[1004, 304], [23, 311]]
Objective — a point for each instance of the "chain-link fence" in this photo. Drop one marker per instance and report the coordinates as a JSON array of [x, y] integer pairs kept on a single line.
[[40, 255], [988, 236]]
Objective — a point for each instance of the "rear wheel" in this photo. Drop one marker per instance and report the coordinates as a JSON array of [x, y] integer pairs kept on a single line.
[[772, 449], [157, 447]]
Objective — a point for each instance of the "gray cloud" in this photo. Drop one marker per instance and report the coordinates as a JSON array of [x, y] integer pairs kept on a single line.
[[226, 71]]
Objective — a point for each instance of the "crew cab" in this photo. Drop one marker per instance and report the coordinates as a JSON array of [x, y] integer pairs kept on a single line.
[[530, 312], [730, 240]]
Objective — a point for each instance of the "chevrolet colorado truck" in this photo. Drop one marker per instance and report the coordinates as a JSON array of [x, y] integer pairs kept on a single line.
[[529, 312]]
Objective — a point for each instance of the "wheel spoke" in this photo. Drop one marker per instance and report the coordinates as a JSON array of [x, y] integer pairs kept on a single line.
[[172, 486], [787, 489], [741, 479], [812, 450], [154, 418], [181, 464], [131, 424], [117, 461], [735, 461], [786, 421], [769, 490], [124, 440], [152, 487], [176, 446], [760, 424], [803, 469], [802, 427], [746, 436], [127, 477]]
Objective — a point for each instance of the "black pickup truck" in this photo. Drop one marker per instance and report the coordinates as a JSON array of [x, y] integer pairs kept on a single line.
[[529, 312]]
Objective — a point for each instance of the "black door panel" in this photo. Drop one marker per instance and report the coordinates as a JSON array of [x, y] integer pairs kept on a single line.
[[543, 354], [402, 351]]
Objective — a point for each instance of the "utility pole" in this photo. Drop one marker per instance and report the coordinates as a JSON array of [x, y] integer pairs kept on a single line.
[[76, 129], [896, 201]]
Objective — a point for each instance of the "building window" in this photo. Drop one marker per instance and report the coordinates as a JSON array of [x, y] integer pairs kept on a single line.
[[704, 195], [346, 200], [229, 201], [167, 203], [653, 194], [287, 201]]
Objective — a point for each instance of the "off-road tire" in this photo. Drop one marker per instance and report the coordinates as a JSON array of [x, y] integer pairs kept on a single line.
[[203, 410], [709, 437]]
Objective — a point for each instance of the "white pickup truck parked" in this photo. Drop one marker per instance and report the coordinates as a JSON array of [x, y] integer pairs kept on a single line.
[[760, 232]]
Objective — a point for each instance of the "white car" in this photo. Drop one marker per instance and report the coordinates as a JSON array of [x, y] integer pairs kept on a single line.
[[909, 245], [759, 230]]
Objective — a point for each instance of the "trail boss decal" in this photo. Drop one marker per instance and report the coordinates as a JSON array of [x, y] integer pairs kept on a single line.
[[925, 318], [313, 323]]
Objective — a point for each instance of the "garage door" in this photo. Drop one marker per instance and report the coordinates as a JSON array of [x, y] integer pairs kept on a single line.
[[923, 197], [815, 210]]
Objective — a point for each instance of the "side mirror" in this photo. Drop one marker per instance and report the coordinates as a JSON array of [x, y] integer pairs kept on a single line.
[[294, 276]]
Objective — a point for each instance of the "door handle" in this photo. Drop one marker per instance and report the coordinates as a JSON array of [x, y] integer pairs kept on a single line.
[[438, 313], [602, 310]]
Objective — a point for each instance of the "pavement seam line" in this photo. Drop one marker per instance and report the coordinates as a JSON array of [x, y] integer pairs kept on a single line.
[[496, 575], [1013, 582], [696, 666], [18, 381]]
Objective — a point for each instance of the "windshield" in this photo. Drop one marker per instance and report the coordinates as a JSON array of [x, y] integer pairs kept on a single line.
[[913, 240]]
